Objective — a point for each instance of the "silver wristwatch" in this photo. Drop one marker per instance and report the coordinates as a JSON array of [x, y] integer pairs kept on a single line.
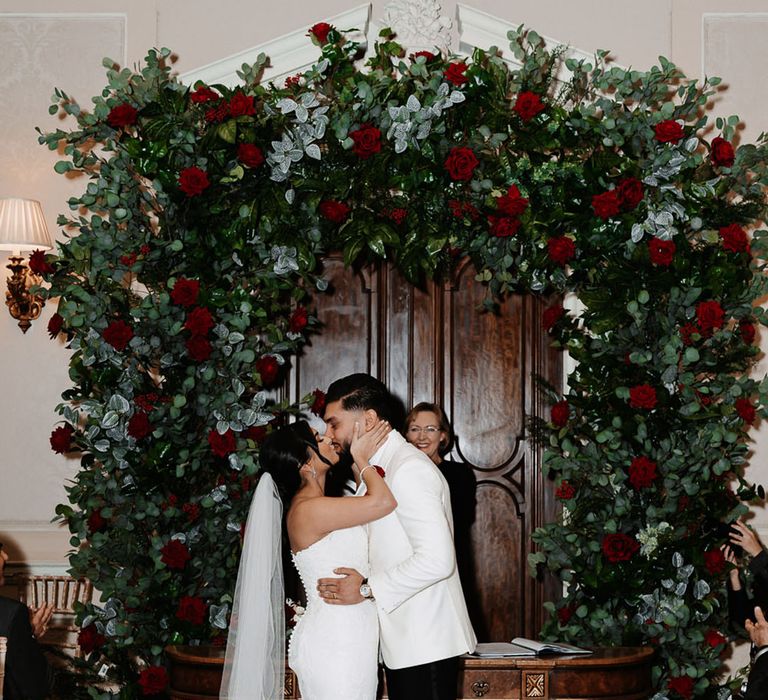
[[365, 590]]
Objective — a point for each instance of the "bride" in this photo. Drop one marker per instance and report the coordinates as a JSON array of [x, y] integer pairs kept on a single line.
[[334, 648]]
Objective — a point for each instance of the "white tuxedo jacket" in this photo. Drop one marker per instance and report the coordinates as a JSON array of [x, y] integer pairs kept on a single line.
[[414, 579]]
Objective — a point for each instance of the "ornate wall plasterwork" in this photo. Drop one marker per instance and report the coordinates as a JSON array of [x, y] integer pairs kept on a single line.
[[419, 24]]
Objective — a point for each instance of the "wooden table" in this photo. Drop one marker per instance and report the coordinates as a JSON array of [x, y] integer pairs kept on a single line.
[[620, 673]]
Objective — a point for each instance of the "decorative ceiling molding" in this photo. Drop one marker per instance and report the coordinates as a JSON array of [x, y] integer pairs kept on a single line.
[[419, 24]]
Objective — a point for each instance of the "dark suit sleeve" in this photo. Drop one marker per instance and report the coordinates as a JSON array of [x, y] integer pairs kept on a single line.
[[25, 666], [739, 607], [757, 686]]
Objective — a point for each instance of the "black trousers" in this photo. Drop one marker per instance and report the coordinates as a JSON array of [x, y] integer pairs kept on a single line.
[[437, 680]]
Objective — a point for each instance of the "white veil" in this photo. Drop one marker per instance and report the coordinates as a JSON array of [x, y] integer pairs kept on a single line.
[[254, 666]]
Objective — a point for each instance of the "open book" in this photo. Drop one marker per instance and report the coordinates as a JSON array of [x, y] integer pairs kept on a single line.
[[520, 646]]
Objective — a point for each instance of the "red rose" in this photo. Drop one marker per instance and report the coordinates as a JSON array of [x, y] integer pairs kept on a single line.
[[241, 105], [619, 547], [218, 113], [454, 73], [747, 331], [249, 154], [184, 292], [642, 396], [734, 239], [191, 609], [461, 163], [564, 614], [527, 105], [153, 680], [710, 316], [222, 444], [630, 191], [462, 209], [606, 204], [714, 561], [746, 410], [118, 334], [661, 252], [139, 426], [642, 473], [722, 153], [687, 331], [122, 115], [61, 439], [199, 321], [320, 32], [38, 265], [561, 249], [268, 369], [89, 639], [565, 492], [427, 54], [192, 511], [193, 181], [398, 215], [551, 316], [512, 203], [56, 322], [503, 226], [367, 141], [144, 249], [298, 320], [293, 80], [560, 413], [318, 402], [668, 131], [333, 210], [682, 685], [714, 639], [199, 348], [128, 260], [204, 94], [257, 433], [175, 555], [379, 470], [96, 522]]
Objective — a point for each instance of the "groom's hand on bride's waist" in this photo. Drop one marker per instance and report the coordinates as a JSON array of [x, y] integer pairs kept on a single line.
[[341, 591]]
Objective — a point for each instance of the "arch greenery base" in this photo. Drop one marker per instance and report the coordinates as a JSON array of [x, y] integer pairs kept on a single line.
[[184, 288]]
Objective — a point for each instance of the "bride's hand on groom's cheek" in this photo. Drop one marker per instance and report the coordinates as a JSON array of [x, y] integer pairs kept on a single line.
[[341, 591]]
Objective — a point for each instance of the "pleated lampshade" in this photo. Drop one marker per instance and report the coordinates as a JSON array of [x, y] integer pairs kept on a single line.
[[22, 226]]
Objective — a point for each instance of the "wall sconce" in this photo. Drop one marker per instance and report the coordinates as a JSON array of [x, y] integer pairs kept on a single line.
[[22, 229]]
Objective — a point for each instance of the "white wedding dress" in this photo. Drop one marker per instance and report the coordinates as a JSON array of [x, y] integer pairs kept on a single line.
[[334, 648]]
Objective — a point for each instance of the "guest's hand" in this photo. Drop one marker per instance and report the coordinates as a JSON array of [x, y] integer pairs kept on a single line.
[[341, 591], [39, 619], [743, 536], [758, 632], [733, 574], [364, 445]]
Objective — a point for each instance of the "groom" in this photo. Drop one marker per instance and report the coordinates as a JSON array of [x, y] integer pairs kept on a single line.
[[414, 581]]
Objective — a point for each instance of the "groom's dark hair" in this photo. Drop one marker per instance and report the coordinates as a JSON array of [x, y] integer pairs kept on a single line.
[[361, 392]]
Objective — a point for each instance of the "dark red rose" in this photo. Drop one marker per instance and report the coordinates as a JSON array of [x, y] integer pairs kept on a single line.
[[687, 331], [293, 80], [61, 439], [193, 181], [561, 249], [139, 426], [333, 210], [710, 316], [747, 331], [668, 131], [564, 614], [461, 163], [241, 105], [268, 369], [560, 413], [320, 32], [222, 445], [192, 511], [661, 252], [96, 522], [257, 433], [714, 561], [398, 215], [714, 639], [630, 191], [199, 321], [454, 73], [427, 54], [129, 260], [203, 94], [379, 470], [199, 348], [144, 249], [173, 499], [734, 239], [642, 473], [249, 154], [318, 402], [503, 226], [619, 547], [527, 105], [146, 402], [122, 115], [38, 265], [462, 209], [56, 322], [642, 396], [606, 204], [184, 292], [118, 334], [565, 492], [682, 685], [153, 680], [191, 609], [89, 639], [551, 316], [512, 203], [175, 555], [746, 410], [218, 113], [367, 141], [298, 320], [722, 153]]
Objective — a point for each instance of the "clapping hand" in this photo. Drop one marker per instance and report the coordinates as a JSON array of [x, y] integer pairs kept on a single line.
[[364, 445], [743, 536], [39, 619], [758, 631]]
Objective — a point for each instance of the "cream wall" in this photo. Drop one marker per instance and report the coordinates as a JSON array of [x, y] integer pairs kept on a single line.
[[48, 43]]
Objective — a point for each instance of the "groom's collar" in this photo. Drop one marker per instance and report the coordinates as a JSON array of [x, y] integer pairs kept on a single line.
[[382, 456]]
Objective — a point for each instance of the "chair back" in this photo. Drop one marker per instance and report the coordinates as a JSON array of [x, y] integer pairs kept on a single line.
[[3, 649]]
